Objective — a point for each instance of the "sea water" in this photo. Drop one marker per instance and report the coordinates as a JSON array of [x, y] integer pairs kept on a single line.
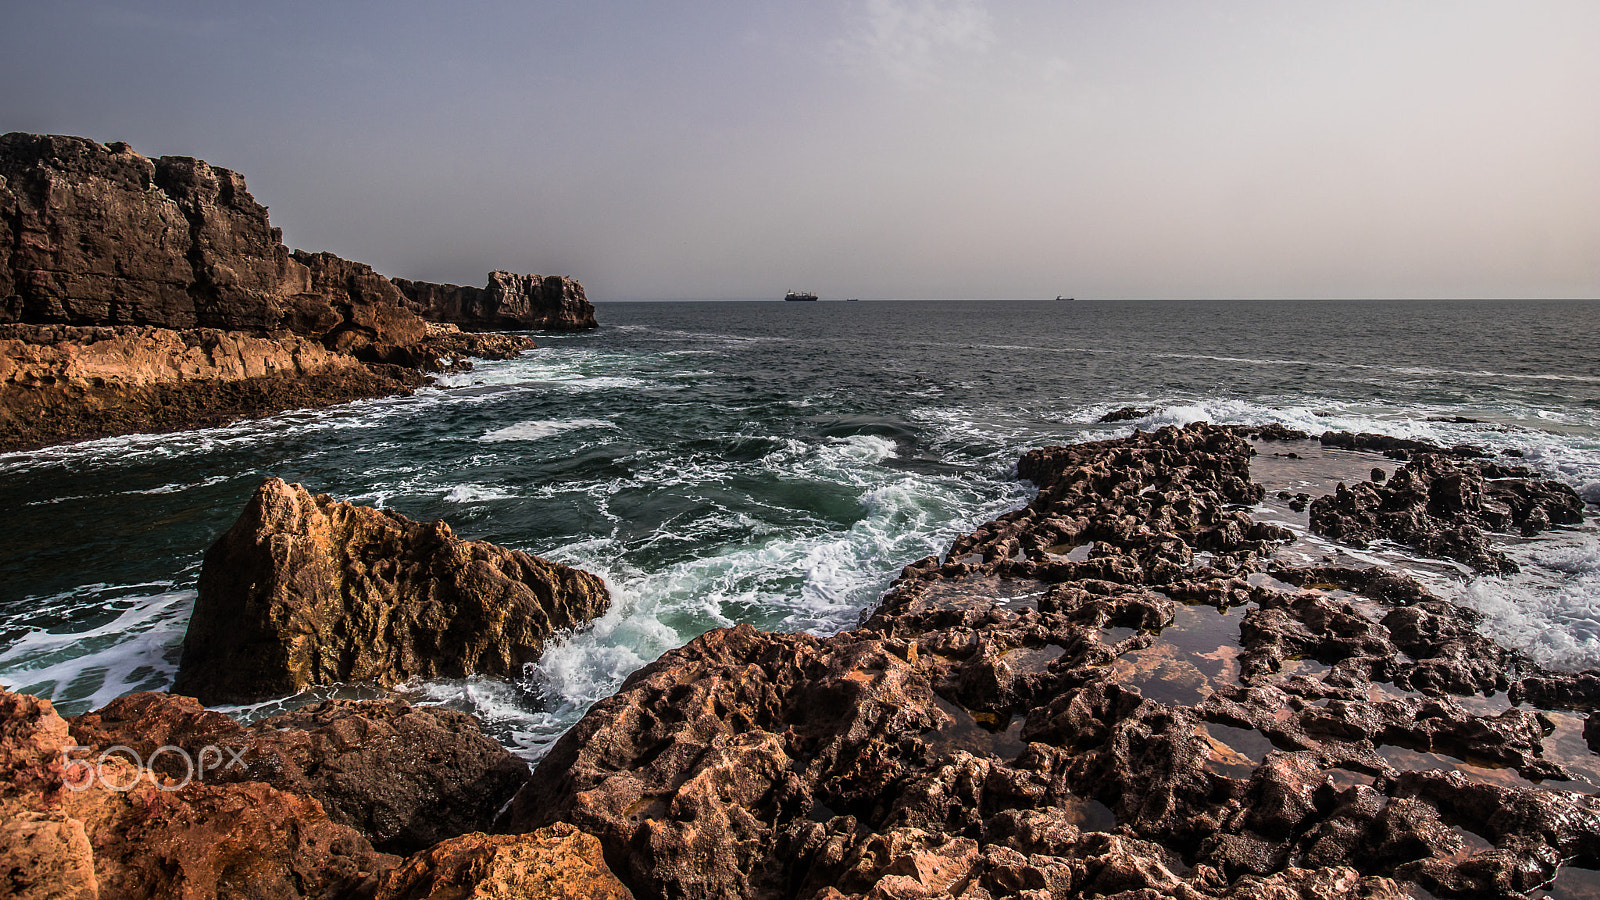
[[777, 464]]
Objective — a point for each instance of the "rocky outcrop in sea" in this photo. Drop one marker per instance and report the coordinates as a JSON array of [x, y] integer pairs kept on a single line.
[[305, 590], [1116, 691], [170, 250], [508, 301]]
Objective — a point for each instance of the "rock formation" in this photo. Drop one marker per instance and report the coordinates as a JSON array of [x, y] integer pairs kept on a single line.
[[508, 302], [1111, 692], [1442, 505], [64, 382], [82, 824], [555, 863], [453, 345], [405, 777], [153, 796], [94, 235], [305, 590]]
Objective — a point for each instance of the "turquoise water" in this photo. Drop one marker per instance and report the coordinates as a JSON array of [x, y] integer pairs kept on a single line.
[[778, 463]]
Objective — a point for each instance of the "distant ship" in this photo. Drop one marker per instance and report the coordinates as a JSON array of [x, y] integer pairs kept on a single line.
[[799, 295], [1063, 299]]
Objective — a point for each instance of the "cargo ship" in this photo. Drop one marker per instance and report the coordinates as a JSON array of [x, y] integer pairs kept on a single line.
[[799, 295]]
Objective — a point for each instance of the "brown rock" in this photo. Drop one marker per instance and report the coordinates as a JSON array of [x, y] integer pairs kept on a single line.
[[449, 342], [1071, 703], [554, 863], [509, 302], [1442, 505], [95, 235], [62, 382], [405, 777], [85, 825], [372, 324], [306, 590]]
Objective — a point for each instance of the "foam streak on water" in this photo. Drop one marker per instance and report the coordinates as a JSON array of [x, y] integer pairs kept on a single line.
[[762, 463]]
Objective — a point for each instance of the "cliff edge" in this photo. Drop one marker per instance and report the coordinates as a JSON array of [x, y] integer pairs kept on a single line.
[[172, 250]]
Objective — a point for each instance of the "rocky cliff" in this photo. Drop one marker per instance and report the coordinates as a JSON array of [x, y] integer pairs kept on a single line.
[[305, 590], [509, 302], [94, 235]]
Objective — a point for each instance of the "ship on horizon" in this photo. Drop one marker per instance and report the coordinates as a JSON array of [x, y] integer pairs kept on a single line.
[[799, 295]]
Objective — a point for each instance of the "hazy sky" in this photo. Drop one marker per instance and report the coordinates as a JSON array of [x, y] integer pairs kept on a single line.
[[872, 148]]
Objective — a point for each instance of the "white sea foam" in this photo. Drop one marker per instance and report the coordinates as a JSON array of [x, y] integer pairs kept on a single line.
[[476, 493], [179, 487], [1550, 610], [135, 649], [540, 428]]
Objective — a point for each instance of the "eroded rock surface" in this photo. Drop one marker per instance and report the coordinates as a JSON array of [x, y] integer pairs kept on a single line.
[[554, 863], [452, 345], [306, 590], [405, 777], [74, 824], [1443, 505], [66, 382], [1111, 692]]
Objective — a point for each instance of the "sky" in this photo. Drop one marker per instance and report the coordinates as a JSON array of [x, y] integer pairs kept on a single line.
[[982, 149]]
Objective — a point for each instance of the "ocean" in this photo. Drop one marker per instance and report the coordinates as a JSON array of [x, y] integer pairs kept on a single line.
[[778, 463]]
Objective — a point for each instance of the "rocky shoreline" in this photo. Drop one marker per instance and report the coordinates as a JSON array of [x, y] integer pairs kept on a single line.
[[155, 295], [1119, 690]]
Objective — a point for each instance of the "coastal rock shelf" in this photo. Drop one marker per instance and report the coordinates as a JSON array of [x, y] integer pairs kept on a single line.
[[305, 590], [1113, 691], [67, 382]]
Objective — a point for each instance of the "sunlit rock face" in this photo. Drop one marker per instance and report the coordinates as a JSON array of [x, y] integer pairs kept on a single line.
[[305, 590]]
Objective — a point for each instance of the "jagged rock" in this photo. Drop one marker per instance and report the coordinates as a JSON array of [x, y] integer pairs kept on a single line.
[[508, 302], [99, 826], [449, 342], [1443, 505], [405, 777], [306, 590], [367, 312], [1394, 447], [1072, 702], [555, 863], [105, 236], [1125, 414]]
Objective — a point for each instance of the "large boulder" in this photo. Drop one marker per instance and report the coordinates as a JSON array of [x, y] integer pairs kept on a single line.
[[306, 590]]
